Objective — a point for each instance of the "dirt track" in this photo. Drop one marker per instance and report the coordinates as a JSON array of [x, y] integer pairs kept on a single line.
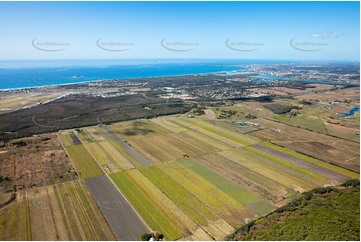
[[128, 148], [332, 175], [122, 219]]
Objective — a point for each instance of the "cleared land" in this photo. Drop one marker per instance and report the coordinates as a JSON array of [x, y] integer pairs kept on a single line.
[[34, 162], [13, 102], [67, 211], [122, 219]]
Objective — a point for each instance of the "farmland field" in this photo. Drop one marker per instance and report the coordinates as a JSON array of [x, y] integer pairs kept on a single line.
[[122, 219], [192, 179], [67, 210], [334, 150], [83, 161], [103, 152]]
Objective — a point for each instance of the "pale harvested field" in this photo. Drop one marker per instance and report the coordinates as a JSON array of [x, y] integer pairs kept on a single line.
[[330, 149], [67, 211], [210, 113], [348, 133], [349, 94], [13, 102]]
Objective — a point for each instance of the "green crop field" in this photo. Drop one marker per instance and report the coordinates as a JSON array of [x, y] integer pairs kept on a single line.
[[14, 220], [219, 202], [136, 129], [127, 157], [287, 164], [203, 179], [92, 147], [66, 140], [151, 213], [84, 162], [267, 170], [236, 192], [192, 205], [219, 131], [105, 154], [249, 179], [152, 142], [312, 160]]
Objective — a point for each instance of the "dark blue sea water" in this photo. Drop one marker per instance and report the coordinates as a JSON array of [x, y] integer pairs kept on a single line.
[[22, 74], [15, 77]]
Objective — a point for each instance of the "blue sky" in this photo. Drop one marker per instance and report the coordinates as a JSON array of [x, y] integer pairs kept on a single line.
[[135, 30]]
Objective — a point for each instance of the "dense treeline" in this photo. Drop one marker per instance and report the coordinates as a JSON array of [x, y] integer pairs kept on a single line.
[[325, 213]]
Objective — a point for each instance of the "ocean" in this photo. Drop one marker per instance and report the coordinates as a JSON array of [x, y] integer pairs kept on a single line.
[[26, 74], [31, 75]]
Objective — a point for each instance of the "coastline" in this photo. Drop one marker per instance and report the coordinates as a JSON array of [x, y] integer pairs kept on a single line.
[[236, 72]]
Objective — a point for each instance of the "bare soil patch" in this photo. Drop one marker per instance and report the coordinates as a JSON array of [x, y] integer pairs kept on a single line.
[[41, 161]]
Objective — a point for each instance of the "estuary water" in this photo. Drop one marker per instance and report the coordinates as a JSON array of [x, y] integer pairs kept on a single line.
[[351, 112]]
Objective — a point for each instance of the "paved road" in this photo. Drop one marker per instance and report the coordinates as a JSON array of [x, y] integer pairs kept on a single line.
[[331, 174], [129, 149], [122, 219]]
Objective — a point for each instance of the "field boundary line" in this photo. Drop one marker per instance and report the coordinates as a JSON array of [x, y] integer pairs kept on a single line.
[[107, 175], [196, 198], [76, 217], [84, 212], [71, 159], [19, 219], [94, 206], [65, 215], [272, 120], [52, 213], [28, 212]]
